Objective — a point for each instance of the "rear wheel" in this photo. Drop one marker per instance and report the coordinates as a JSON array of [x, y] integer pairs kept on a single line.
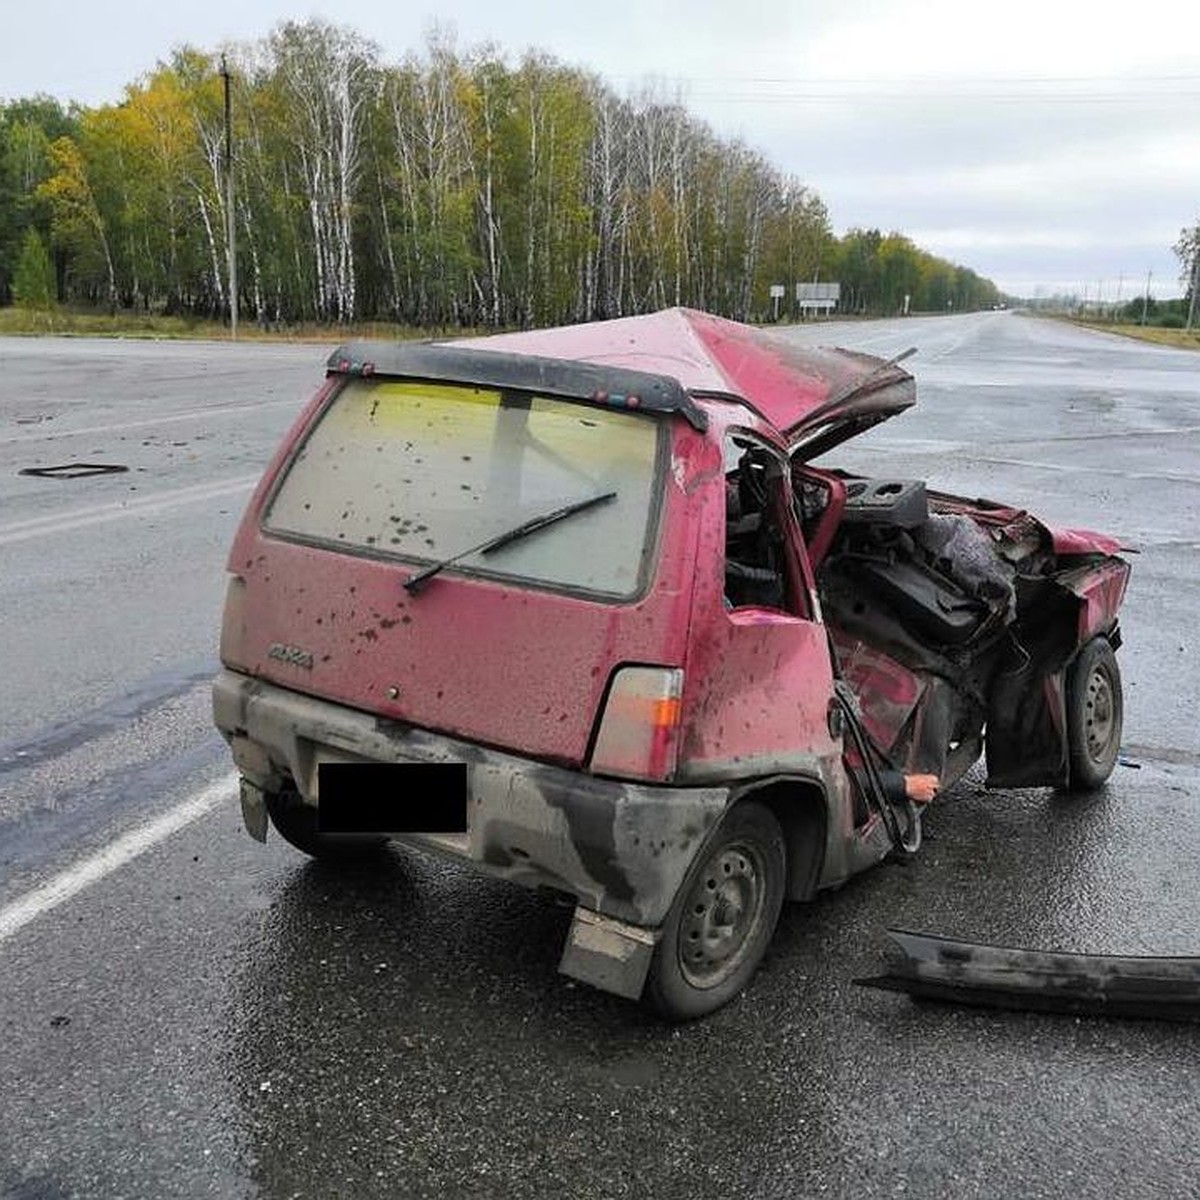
[[296, 822], [718, 928], [1095, 713]]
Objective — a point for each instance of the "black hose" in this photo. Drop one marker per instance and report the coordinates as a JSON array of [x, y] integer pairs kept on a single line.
[[876, 794]]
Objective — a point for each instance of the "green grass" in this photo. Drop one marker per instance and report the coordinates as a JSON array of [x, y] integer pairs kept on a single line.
[[80, 323], [1182, 338]]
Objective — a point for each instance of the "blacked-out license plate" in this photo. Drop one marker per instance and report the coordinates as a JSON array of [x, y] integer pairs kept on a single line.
[[392, 797]]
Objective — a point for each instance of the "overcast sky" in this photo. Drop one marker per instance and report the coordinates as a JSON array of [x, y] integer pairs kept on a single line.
[[1051, 145]]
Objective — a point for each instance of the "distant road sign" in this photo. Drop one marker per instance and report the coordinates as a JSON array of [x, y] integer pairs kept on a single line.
[[823, 293], [821, 297], [778, 291]]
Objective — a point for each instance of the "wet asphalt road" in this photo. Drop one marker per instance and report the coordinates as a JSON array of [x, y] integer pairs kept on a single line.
[[216, 1018]]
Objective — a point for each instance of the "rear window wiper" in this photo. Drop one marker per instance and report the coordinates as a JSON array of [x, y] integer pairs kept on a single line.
[[418, 581]]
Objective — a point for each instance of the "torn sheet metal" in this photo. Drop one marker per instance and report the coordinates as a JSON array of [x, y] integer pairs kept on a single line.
[[937, 968]]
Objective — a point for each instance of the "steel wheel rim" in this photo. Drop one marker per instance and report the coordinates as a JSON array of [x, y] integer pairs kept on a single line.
[[1099, 715], [722, 912]]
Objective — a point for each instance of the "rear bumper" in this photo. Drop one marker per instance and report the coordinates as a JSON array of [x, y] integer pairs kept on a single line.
[[622, 849]]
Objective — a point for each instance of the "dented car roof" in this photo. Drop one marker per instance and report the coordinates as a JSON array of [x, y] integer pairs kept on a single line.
[[815, 396]]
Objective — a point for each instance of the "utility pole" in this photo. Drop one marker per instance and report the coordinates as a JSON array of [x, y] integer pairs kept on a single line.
[[1146, 297], [230, 221]]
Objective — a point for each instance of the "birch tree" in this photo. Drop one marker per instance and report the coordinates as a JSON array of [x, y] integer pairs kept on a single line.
[[327, 76]]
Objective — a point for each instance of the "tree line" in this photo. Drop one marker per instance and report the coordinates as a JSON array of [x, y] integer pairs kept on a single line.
[[453, 189]]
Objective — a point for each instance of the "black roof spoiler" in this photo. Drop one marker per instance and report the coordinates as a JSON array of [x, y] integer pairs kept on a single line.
[[567, 379], [937, 968]]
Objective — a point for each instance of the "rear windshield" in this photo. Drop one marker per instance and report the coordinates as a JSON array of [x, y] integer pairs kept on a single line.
[[423, 471]]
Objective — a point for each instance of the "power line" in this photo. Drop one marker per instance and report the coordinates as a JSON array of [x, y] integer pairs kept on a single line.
[[936, 97], [961, 80], [936, 81], [1053, 89]]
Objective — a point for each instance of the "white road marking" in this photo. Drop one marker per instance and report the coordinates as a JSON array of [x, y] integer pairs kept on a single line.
[[46, 434], [69, 883], [80, 518]]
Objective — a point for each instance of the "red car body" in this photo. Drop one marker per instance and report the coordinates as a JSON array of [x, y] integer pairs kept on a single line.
[[680, 705]]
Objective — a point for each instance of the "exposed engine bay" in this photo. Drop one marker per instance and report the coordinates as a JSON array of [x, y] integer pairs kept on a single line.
[[933, 592], [952, 620], [925, 580], [963, 597]]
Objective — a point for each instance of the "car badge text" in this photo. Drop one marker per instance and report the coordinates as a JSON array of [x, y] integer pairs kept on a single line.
[[290, 654]]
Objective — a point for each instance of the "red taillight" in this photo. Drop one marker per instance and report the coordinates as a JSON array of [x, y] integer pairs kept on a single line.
[[233, 623], [639, 732]]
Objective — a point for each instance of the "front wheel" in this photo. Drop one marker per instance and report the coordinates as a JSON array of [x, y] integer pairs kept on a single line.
[[296, 822], [718, 928], [1095, 713]]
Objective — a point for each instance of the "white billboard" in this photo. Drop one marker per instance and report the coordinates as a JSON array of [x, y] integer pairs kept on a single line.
[[818, 295]]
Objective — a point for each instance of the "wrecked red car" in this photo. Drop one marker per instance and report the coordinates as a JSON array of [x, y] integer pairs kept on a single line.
[[677, 663]]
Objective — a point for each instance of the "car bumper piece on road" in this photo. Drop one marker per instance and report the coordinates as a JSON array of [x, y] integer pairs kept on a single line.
[[935, 968]]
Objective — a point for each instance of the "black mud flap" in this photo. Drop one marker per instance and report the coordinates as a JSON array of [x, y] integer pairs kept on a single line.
[[936, 968]]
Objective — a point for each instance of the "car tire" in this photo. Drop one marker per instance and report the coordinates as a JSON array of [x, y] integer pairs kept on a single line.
[[1095, 714], [723, 917], [296, 823]]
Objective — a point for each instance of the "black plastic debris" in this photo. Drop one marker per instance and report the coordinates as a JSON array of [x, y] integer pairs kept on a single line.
[[74, 470], [937, 968]]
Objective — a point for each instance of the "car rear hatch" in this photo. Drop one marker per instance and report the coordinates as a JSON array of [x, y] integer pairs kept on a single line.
[[420, 455]]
